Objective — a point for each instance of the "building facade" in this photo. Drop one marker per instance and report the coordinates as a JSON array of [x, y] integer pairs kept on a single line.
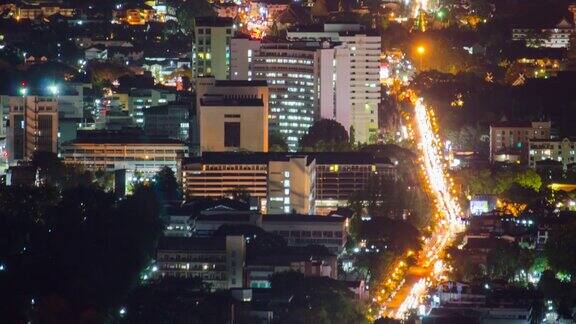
[[307, 81], [282, 182], [556, 37], [33, 126], [171, 120], [307, 182], [211, 47], [303, 230], [560, 150], [218, 261], [364, 93], [340, 175], [142, 99], [509, 140], [232, 115], [116, 150]]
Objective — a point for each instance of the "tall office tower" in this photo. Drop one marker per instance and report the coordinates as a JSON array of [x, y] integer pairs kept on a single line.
[[211, 47], [232, 115], [307, 81], [364, 91], [33, 126]]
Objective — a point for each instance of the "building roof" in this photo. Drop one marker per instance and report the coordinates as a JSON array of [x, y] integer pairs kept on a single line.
[[214, 22], [348, 158], [289, 218], [171, 243], [125, 136], [210, 101], [511, 124], [243, 158], [241, 83], [261, 158], [228, 217]]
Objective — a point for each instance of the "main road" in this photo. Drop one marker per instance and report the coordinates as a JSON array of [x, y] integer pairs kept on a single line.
[[446, 222]]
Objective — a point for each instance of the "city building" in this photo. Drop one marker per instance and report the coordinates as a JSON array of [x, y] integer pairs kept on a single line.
[[282, 182], [218, 261], [131, 14], [259, 271], [170, 120], [228, 124], [307, 81], [33, 126], [232, 115], [211, 47], [336, 176], [39, 11], [304, 230], [141, 99], [557, 36], [560, 150], [364, 93], [509, 140], [339, 175], [123, 149]]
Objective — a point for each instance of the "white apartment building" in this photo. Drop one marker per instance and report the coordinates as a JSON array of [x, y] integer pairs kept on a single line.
[[364, 93], [307, 81], [560, 150]]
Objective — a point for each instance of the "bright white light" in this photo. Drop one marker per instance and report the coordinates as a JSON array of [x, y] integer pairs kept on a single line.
[[54, 90]]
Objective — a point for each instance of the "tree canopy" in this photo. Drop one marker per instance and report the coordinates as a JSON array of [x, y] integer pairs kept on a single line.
[[326, 135]]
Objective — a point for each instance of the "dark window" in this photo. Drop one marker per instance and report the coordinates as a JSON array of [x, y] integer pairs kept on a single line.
[[232, 134]]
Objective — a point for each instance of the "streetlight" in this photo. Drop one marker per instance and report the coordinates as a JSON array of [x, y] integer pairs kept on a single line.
[[54, 89], [421, 50], [23, 89]]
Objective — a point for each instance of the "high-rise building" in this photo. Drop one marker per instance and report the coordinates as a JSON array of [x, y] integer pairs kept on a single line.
[[211, 47], [171, 120], [232, 115], [364, 92], [307, 81], [33, 126]]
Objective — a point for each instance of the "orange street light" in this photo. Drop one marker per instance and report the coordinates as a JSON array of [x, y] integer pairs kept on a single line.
[[421, 50]]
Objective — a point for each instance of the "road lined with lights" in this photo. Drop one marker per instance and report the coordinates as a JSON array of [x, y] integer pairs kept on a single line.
[[417, 279]]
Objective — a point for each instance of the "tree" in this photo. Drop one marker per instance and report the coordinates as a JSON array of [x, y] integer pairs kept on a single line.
[[560, 247], [276, 142], [77, 253], [315, 300], [166, 185], [326, 135], [187, 11]]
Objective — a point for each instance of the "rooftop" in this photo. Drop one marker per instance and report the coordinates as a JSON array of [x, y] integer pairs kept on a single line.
[[302, 218], [125, 136], [192, 243], [511, 124], [261, 158], [242, 158], [241, 83], [231, 102], [214, 22]]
